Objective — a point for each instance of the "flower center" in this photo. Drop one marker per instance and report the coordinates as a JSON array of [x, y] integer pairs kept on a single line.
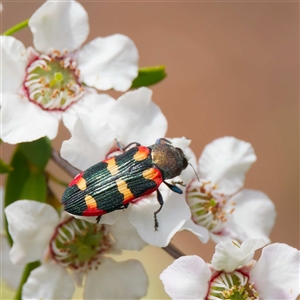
[[52, 82], [232, 286], [206, 206], [79, 245]]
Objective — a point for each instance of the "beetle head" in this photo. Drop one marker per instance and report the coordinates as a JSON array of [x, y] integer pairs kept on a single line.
[[169, 159]]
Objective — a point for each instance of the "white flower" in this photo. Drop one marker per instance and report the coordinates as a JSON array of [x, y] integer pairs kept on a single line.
[[10, 273], [132, 118], [58, 78], [218, 201], [69, 250], [234, 275]]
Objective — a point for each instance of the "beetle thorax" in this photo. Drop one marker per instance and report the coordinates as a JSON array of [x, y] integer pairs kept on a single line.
[[170, 160]]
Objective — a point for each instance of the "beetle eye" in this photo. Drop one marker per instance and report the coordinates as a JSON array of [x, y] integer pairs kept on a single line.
[[180, 151], [184, 160]]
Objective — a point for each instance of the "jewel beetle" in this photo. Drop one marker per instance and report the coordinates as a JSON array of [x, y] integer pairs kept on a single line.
[[115, 182]]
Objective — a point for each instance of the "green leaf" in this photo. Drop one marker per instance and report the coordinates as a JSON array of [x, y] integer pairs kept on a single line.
[[148, 76], [15, 182], [4, 168], [37, 152], [27, 270], [35, 187], [27, 180], [16, 178]]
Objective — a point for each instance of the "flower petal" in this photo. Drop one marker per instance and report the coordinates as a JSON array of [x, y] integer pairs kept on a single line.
[[13, 64], [108, 219], [254, 215], [31, 232], [92, 137], [136, 118], [201, 232], [125, 234], [48, 282], [132, 118], [171, 218], [61, 25], [186, 278], [230, 256], [225, 161], [10, 273], [23, 121], [116, 280], [110, 62], [86, 147], [91, 104], [276, 274]]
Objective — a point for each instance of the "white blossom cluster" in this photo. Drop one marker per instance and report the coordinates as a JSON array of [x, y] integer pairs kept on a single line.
[[60, 78]]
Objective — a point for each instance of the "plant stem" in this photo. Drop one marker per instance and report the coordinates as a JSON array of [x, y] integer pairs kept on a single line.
[[16, 28], [28, 268], [56, 180], [170, 249], [64, 164], [173, 251]]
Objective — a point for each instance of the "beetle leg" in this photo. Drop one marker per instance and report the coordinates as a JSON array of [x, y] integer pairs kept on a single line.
[[161, 202], [98, 219], [174, 188], [126, 205], [126, 147], [178, 182]]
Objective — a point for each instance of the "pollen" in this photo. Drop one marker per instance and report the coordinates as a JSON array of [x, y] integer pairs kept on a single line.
[[52, 82], [209, 209], [80, 245], [233, 285]]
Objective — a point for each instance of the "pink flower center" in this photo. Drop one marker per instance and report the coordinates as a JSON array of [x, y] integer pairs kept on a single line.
[[233, 286], [208, 208], [52, 82]]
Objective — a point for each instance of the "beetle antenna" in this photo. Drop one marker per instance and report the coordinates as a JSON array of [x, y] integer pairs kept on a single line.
[[194, 171]]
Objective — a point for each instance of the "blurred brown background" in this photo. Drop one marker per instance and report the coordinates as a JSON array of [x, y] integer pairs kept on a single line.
[[233, 69]]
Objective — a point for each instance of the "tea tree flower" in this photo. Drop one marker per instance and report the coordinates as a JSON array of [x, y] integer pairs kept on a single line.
[[218, 201], [11, 274], [132, 118], [69, 250], [58, 78], [234, 275]]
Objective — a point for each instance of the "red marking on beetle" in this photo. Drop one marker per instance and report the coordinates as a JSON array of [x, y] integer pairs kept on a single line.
[[76, 179], [153, 174], [142, 153], [93, 212]]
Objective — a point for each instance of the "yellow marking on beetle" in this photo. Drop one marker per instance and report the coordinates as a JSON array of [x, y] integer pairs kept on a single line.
[[123, 189], [142, 154], [90, 202], [81, 184], [112, 166], [153, 174]]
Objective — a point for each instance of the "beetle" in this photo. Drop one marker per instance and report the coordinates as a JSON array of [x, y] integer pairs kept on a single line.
[[115, 182]]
